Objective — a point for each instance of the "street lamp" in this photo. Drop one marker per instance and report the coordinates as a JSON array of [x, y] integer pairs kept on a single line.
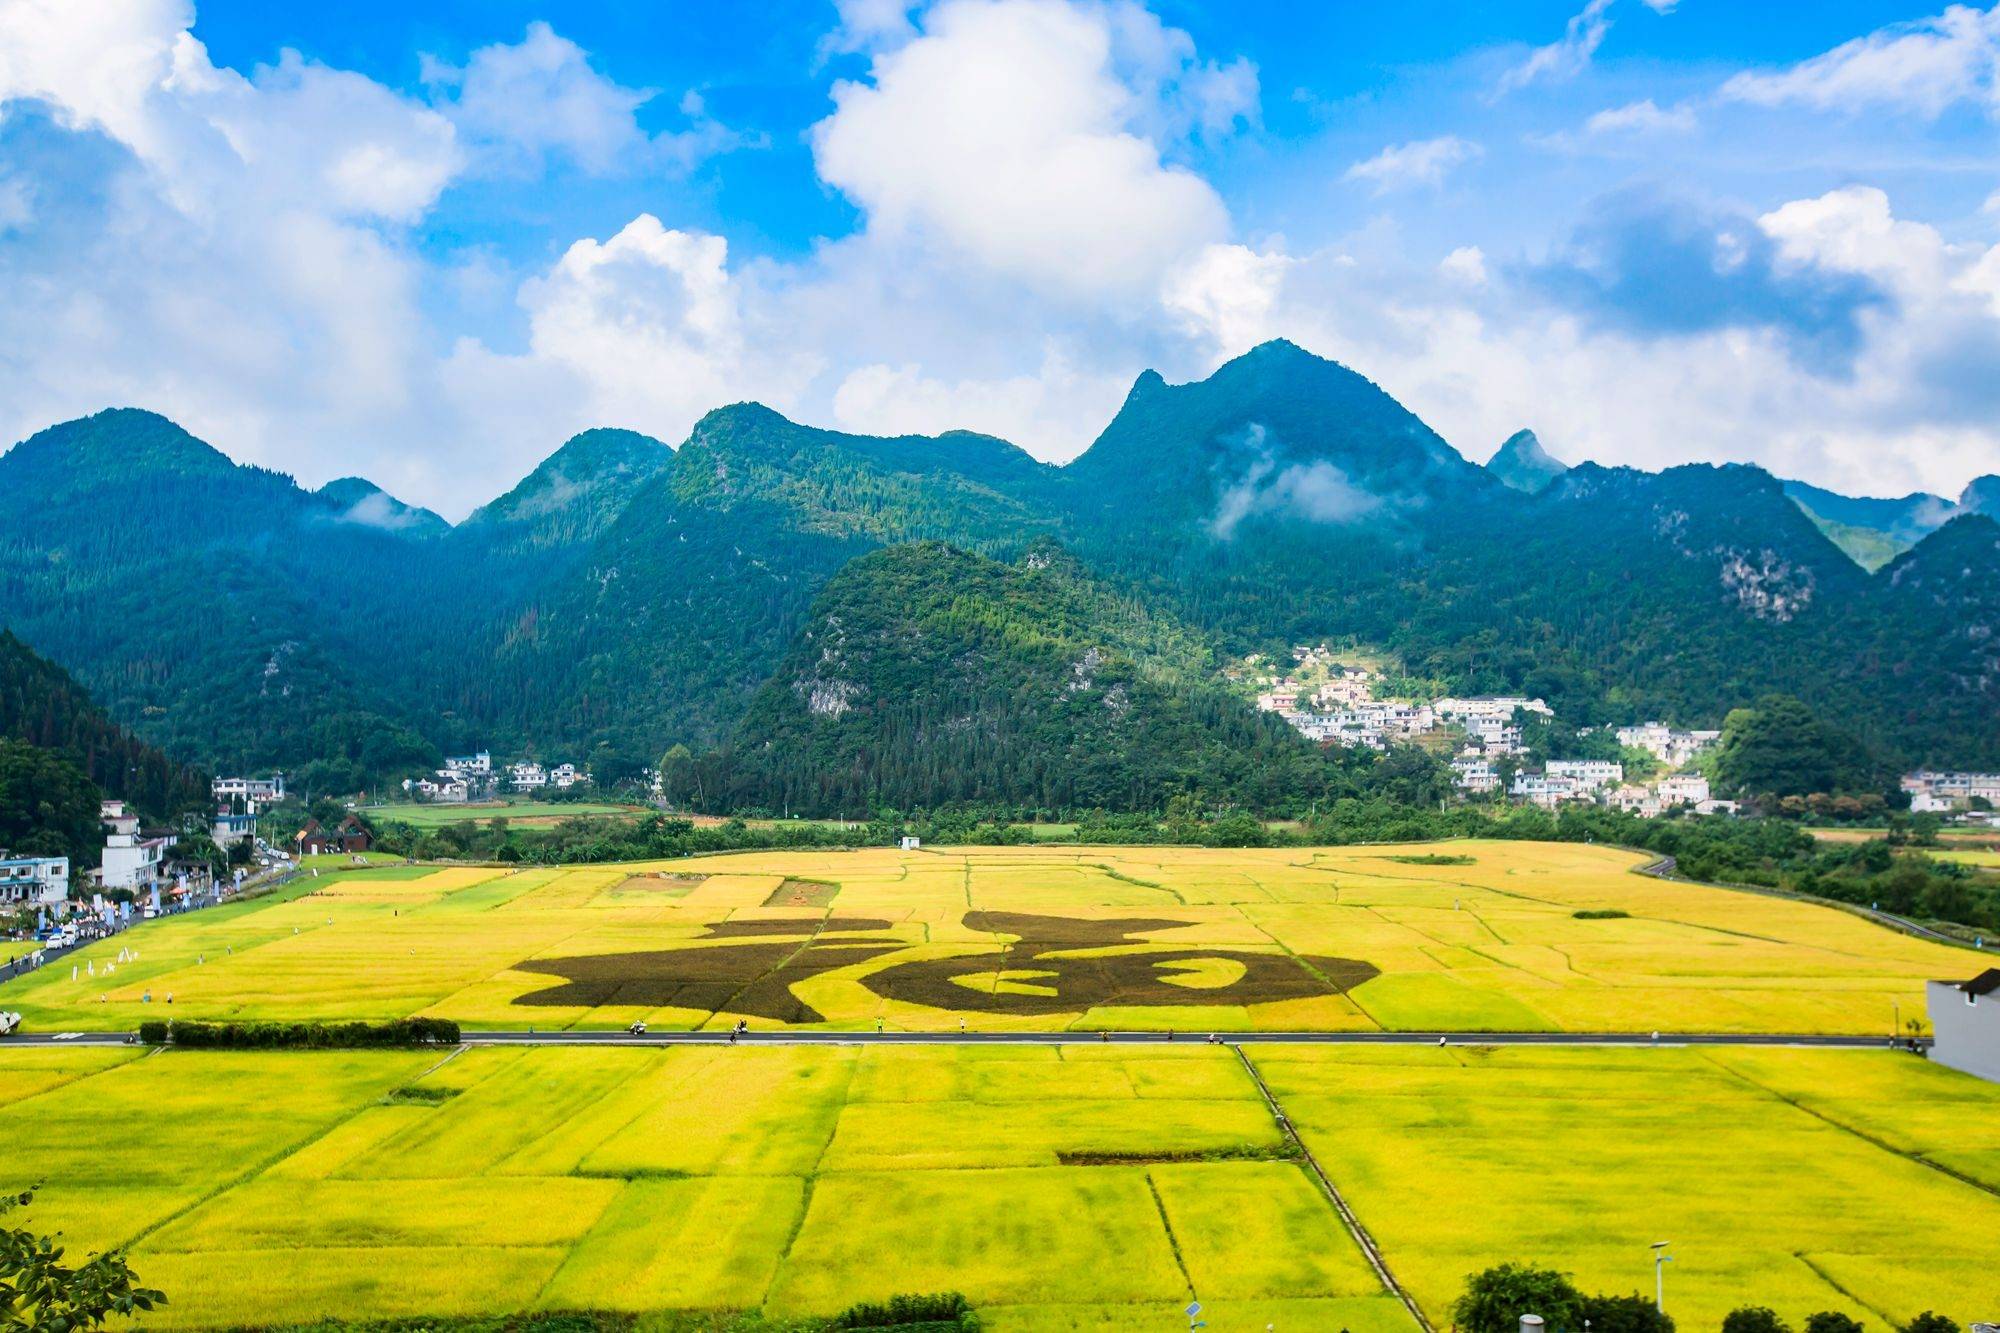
[[1660, 1261]]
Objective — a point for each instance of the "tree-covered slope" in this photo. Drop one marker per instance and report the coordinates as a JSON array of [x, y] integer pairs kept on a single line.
[[1523, 464], [930, 676]]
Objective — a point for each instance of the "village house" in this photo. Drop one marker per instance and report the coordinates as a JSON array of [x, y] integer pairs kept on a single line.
[[478, 765], [1587, 774], [315, 840], [568, 775], [1671, 746], [34, 881], [251, 792], [1641, 801], [227, 829], [1683, 789], [527, 776], [1546, 790], [1498, 706], [1474, 775], [1965, 1021], [133, 859], [1943, 792]]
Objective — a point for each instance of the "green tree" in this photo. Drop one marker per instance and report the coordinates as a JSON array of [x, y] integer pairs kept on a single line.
[[1930, 1321], [1754, 1319], [1832, 1321], [1781, 748], [38, 1292], [1495, 1300]]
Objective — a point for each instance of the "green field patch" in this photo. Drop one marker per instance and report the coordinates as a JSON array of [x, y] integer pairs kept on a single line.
[[803, 893]]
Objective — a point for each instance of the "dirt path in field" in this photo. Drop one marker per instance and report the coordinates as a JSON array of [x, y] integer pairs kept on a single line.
[[1347, 1218]]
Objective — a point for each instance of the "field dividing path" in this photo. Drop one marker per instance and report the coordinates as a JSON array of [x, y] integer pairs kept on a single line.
[[827, 1037]]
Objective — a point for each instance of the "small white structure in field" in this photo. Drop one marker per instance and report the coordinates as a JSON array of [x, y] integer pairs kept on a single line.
[[1965, 1019], [911, 844]]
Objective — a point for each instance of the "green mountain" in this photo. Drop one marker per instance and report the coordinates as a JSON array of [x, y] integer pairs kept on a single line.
[[1523, 464], [576, 492], [930, 676], [625, 596]]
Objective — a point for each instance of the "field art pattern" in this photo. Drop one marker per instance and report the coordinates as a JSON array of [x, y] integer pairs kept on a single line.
[[1082, 1187], [1466, 936]]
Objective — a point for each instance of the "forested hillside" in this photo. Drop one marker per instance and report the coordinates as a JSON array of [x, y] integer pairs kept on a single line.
[[625, 597]]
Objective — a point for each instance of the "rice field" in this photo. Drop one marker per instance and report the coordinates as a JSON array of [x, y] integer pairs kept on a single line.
[[427, 815], [1466, 936], [1081, 1187]]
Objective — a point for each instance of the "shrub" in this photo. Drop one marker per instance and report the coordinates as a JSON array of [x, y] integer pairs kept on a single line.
[[1931, 1322], [1600, 914], [309, 1036], [1832, 1321], [1625, 1314], [1754, 1319], [941, 1311]]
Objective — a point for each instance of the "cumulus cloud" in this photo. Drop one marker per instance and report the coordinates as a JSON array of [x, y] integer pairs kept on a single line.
[[519, 104], [1424, 162], [1922, 67], [1006, 136], [1650, 264]]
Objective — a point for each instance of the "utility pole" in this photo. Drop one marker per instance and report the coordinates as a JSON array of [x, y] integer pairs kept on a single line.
[[1660, 1261]]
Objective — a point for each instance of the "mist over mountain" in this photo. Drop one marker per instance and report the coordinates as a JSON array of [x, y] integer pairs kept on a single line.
[[626, 596]]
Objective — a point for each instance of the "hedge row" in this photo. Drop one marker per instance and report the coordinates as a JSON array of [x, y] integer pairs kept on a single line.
[[948, 1310], [310, 1036]]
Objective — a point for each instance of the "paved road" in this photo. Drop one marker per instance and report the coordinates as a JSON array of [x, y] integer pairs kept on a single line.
[[821, 1037]]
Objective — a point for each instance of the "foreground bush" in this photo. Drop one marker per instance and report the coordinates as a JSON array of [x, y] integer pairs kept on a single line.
[[308, 1036], [948, 1310]]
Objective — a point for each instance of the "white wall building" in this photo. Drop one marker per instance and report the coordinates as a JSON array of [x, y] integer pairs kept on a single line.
[[253, 792], [1588, 774], [1474, 775], [131, 859], [1965, 1018], [33, 881], [478, 765], [527, 777], [1502, 706], [1683, 789], [1545, 790]]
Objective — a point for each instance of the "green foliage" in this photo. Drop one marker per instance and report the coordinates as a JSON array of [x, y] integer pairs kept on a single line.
[[47, 806], [1930, 1321], [1754, 1319], [1494, 1300], [1832, 1321], [1781, 748], [313, 1036], [1625, 1314], [948, 1310], [40, 1294], [1600, 914]]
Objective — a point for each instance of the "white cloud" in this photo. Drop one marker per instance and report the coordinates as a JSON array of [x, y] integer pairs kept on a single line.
[[1922, 67], [1225, 294], [1424, 162], [869, 26], [1467, 264], [1567, 57], [1642, 118], [1005, 136]]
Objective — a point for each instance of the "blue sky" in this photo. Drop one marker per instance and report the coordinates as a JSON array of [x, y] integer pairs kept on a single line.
[[427, 241]]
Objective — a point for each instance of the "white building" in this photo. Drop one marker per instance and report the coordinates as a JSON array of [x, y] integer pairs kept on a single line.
[[34, 881], [1670, 745], [568, 775], [1474, 775], [227, 828], [1545, 790], [1495, 735], [1950, 791], [1641, 801], [1965, 1019], [131, 859], [253, 792], [478, 765], [1588, 774], [1501, 706], [1683, 789], [527, 777], [1278, 701]]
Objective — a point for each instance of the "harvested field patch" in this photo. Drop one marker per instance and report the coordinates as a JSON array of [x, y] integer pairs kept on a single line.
[[803, 893]]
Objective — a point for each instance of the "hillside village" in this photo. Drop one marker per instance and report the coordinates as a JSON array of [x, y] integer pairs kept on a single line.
[[1340, 702], [472, 777]]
